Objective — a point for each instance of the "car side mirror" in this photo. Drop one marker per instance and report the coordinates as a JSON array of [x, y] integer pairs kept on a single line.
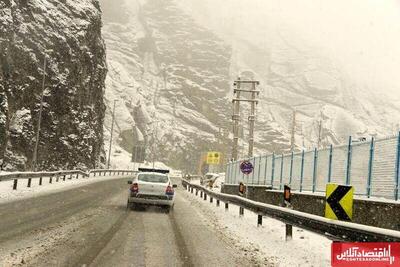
[[129, 182], [174, 186]]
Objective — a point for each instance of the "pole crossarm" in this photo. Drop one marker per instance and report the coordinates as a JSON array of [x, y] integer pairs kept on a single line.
[[243, 81], [248, 91], [244, 100]]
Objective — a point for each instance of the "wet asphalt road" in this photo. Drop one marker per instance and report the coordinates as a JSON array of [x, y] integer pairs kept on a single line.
[[90, 226]]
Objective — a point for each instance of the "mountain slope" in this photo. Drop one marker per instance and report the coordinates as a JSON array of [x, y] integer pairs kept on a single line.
[[172, 74], [170, 77]]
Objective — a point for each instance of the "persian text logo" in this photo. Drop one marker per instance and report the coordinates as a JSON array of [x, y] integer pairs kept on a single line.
[[363, 254]]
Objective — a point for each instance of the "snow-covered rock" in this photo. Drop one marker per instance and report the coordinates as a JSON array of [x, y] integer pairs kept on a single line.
[[69, 32]]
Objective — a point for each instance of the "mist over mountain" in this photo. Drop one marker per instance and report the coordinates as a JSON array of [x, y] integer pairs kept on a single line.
[[172, 64]]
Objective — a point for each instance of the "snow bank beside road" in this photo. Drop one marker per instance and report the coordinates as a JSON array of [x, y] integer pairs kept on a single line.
[[266, 243], [7, 194]]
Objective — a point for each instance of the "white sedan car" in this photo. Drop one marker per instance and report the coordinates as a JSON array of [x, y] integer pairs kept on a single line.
[[151, 187]]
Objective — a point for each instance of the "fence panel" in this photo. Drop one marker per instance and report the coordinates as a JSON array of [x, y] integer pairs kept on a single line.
[[359, 168], [296, 171], [261, 170], [268, 170], [384, 166], [286, 169], [383, 181], [322, 170], [231, 175], [277, 171], [308, 171], [236, 172], [339, 165]]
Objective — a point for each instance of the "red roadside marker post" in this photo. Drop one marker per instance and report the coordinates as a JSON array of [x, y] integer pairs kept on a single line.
[[287, 203]]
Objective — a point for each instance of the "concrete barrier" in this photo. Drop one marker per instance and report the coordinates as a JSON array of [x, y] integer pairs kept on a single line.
[[373, 212]]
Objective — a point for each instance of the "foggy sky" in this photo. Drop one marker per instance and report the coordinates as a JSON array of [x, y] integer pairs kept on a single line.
[[360, 36]]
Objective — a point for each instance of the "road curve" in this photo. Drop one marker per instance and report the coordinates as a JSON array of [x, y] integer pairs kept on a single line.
[[90, 226]]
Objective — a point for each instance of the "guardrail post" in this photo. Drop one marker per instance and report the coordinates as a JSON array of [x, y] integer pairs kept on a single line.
[[273, 169], [15, 184], [94, 174], [217, 202], [201, 194], [291, 168], [191, 190], [330, 164], [57, 178], [205, 196], [197, 192], [51, 180], [370, 166], [281, 178], [226, 205], [315, 169], [289, 232], [77, 176], [64, 177], [397, 178], [110, 173], [29, 182], [40, 180], [348, 168], [259, 220], [211, 199], [302, 171], [70, 177], [241, 211]]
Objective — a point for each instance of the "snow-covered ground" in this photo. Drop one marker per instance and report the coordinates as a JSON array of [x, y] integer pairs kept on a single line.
[[7, 193], [265, 243]]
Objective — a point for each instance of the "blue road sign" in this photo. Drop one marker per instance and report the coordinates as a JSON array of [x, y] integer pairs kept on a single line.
[[246, 167]]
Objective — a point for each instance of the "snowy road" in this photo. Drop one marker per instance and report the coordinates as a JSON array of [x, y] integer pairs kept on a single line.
[[90, 225]]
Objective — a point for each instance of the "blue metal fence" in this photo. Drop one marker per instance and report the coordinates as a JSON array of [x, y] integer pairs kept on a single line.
[[372, 167]]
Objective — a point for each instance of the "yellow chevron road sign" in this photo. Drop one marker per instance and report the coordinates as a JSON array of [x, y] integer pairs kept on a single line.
[[213, 157], [339, 202]]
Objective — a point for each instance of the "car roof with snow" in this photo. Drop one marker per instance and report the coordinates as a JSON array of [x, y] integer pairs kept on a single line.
[[151, 170]]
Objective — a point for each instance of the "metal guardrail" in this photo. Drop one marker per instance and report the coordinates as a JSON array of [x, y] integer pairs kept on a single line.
[[110, 172], [63, 175], [335, 230]]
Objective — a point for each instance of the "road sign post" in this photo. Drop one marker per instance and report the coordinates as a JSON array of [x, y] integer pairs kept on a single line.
[[246, 167], [339, 202], [287, 204]]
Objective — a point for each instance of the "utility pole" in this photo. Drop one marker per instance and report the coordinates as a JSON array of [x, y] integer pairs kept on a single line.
[[111, 137], [236, 113], [35, 151], [155, 133], [293, 131], [319, 133], [236, 119], [252, 117]]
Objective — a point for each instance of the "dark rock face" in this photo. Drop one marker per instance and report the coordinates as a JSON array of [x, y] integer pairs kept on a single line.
[[69, 32]]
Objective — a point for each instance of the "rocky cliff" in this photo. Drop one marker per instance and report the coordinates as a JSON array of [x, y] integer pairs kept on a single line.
[[68, 34]]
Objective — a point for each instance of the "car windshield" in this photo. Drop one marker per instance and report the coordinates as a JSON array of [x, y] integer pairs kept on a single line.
[[153, 178]]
